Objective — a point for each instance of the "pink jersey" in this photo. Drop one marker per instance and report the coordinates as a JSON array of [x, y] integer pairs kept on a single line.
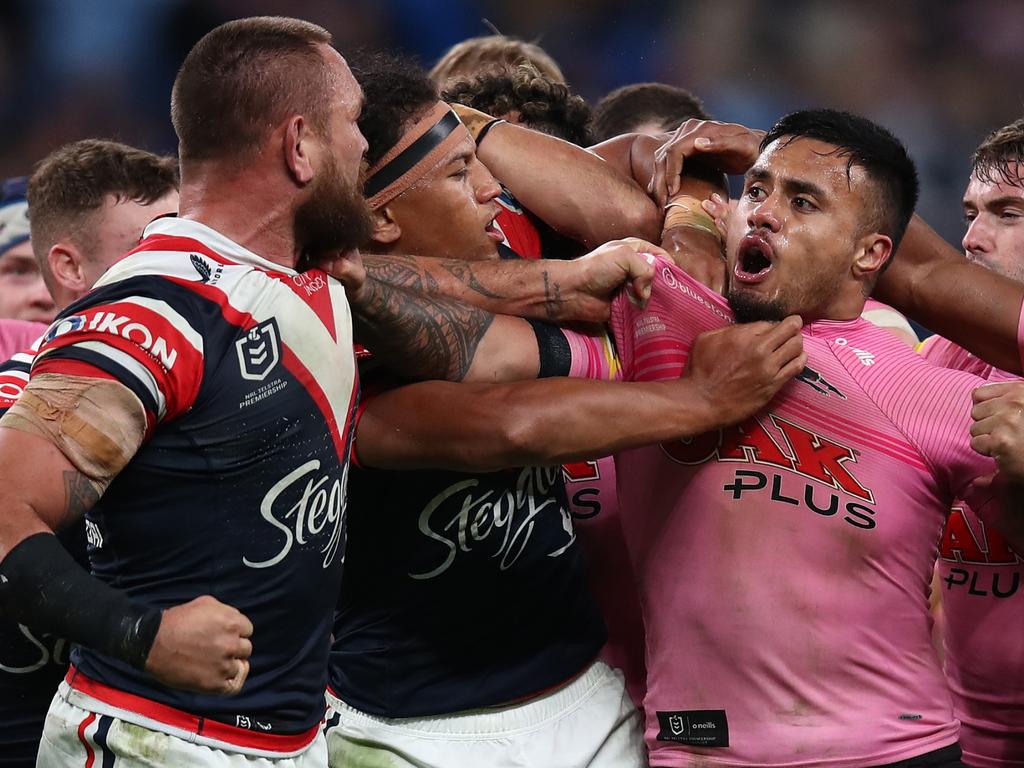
[[784, 565], [983, 614], [590, 486], [16, 335]]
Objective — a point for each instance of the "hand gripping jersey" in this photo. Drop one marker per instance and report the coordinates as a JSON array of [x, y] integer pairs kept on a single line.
[[784, 565], [32, 663], [247, 375], [982, 588], [461, 590]]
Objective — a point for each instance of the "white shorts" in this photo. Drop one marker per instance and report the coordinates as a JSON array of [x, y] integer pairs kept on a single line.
[[589, 722], [74, 737]]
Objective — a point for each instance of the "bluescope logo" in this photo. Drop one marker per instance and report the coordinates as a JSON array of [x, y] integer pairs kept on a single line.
[[259, 351], [779, 443]]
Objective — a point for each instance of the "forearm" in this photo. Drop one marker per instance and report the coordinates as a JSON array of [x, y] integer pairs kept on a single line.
[[540, 290], [935, 285], [632, 155], [572, 190], [551, 421]]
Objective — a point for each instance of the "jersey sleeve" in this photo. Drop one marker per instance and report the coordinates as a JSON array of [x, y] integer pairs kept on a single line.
[[939, 418], [577, 355], [654, 341], [141, 335], [14, 374]]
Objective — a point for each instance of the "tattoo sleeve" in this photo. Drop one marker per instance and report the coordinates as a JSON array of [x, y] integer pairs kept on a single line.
[[418, 335], [525, 288]]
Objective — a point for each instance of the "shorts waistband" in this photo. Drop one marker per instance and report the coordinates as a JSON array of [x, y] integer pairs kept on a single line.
[[94, 696], [523, 715]]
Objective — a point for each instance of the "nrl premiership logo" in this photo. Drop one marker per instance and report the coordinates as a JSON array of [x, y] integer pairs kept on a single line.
[[258, 351]]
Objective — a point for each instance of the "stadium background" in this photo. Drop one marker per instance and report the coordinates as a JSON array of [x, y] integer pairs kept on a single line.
[[941, 73]]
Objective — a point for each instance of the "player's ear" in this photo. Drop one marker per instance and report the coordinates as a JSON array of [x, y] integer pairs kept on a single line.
[[386, 230], [297, 145], [65, 263], [873, 252]]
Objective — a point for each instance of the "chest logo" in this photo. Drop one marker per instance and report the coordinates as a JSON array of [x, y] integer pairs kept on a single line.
[[258, 351]]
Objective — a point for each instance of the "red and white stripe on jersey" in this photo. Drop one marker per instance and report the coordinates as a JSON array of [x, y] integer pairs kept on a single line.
[[307, 307], [15, 373], [146, 337]]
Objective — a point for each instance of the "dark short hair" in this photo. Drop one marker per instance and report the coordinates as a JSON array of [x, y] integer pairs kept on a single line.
[[477, 55], [75, 180], [869, 146], [1000, 157], [626, 108], [242, 79], [542, 104], [397, 91]]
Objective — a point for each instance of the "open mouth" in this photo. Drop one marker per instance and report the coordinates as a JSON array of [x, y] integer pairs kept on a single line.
[[493, 231], [755, 260]]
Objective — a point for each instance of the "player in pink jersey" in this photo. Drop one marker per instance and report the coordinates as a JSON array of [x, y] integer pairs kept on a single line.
[[785, 564], [980, 574]]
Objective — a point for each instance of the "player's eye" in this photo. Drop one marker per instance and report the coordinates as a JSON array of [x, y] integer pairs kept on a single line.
[[804, 204], [755, 192]]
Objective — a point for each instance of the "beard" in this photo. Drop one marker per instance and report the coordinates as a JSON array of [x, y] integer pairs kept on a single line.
[[749, 307], [335, 216]]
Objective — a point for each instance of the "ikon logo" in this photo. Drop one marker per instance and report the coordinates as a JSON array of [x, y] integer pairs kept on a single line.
[[258, 351]]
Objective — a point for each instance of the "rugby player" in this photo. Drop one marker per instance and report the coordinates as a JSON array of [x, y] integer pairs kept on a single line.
[[90, 201], [440, 618], [201, 390], [979, 573], [783, 565]]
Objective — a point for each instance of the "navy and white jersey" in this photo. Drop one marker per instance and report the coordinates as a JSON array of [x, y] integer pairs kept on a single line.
[[32, 663], [461, 591], [247, 375]]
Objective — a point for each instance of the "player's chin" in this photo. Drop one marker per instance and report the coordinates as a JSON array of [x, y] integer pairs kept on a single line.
[[754, 303]]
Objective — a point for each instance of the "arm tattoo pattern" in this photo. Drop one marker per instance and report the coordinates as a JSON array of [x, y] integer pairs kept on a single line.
[[80, 496], [419, 336], [416, 274]]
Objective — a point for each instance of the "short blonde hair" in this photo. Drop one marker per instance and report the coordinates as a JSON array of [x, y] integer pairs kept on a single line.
[[478, 55]]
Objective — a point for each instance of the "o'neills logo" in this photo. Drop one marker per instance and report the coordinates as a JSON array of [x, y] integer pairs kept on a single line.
[[305, 507], [460, 520]]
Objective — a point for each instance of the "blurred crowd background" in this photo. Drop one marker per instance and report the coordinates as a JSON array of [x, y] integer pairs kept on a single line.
[[940, 73]]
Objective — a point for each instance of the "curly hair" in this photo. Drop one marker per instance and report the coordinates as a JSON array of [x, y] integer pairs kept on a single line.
[[535, 100], [397, 92], [1000, 157]]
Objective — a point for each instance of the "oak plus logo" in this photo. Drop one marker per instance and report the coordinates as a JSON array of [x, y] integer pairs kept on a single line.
[[815, 471], [258, 351]]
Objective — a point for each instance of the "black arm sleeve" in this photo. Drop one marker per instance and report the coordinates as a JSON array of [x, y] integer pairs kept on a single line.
[[42, 587], [555, 354]]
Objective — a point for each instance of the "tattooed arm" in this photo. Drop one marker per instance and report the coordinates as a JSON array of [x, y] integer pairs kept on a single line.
[[555, 291], [420, 336], [409, 310], [53, 462]]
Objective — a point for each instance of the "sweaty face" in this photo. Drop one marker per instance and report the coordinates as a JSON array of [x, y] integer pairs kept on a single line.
[[450, 212], [23, 295], [994, 211], [795, 231]]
